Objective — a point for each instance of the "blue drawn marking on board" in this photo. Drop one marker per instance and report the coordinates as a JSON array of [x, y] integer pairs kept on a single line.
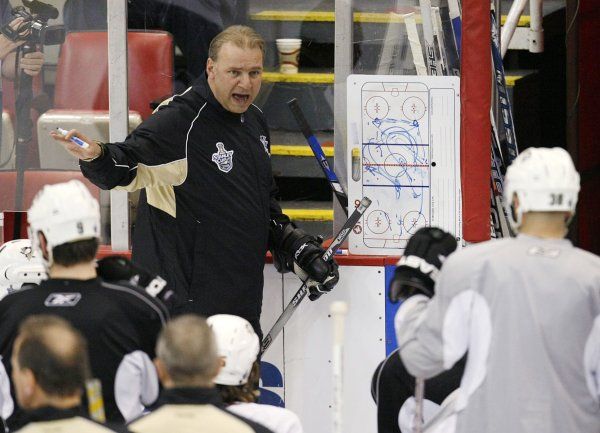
[[395, 154], [392, 133], [371, 185]]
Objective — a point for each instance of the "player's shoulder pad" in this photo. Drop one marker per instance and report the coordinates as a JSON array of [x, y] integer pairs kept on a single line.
[[137, 296]]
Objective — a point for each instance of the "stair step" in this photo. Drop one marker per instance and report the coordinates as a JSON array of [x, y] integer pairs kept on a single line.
[[328, 78], [301, 77], [298, 150], [359, 17], [309, 214], [315, 217]]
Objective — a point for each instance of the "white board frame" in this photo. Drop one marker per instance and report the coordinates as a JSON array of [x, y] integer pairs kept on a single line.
[[407, 161]]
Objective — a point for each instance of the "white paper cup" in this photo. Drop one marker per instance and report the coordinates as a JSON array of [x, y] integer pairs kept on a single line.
[[289, 54]]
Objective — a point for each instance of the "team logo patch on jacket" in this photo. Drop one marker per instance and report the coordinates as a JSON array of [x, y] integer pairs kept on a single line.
[[62, 299], [223, 158]]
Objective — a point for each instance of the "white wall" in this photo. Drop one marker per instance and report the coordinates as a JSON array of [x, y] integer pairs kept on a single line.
[[302, 352]]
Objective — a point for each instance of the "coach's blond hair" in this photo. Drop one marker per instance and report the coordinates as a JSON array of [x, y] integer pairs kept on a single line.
[[240, 36]]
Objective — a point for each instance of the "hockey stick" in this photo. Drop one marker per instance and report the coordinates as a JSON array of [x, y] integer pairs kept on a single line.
[[501, 228], [314, 144], [432, 61], [438, 36], [93, 389], [338, 311], [454, 10], [415, 43], [507, 118], [419, 397], [303, 290]]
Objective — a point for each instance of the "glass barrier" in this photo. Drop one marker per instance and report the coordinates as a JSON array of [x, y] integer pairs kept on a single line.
[[54, 75], [71, 89]]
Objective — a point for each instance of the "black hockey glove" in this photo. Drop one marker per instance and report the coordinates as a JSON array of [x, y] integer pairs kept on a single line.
[[119, 268], [317, 288], [296, 250], [321, 276], [422, 260]]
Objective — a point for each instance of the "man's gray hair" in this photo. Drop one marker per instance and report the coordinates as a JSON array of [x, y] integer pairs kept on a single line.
[[188, 349]]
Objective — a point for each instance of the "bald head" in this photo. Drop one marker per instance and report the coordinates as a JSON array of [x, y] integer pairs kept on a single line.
[[186, 349], [53, 353]]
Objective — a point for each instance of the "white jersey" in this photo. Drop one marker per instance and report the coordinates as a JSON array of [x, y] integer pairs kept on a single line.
[[528, 312], [275, 418]]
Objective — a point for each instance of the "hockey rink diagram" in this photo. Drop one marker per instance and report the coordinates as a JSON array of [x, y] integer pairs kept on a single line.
[[404, 155]]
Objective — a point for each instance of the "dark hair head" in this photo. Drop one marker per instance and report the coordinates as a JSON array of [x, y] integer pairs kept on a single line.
[[246, 393], [55, 352], [73, 253]]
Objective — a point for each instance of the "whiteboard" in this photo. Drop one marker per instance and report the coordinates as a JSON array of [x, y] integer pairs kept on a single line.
[[404, 154]]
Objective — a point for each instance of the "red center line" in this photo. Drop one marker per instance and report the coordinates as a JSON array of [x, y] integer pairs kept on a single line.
[[396, 165]]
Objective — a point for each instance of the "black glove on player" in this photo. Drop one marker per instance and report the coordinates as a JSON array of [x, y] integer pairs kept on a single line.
[[422, 260]]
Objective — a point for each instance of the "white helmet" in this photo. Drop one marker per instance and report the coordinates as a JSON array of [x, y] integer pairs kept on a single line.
[[237, 344], [18, 266], [544, 180], [63, 212]]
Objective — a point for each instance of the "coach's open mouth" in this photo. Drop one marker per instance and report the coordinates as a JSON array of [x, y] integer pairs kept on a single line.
[[241, 98]]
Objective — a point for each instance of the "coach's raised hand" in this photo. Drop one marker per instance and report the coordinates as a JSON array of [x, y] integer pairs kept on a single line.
[[89, 153]]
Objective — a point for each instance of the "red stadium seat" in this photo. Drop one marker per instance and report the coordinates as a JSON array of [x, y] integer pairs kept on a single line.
[[81, 91], [34, 180], [8, 180], [82, 72]]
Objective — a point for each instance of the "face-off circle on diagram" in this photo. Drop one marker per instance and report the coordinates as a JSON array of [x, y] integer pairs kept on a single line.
[[377, 108], [413, 221], [413, 108], [395, 165], [378, 222]]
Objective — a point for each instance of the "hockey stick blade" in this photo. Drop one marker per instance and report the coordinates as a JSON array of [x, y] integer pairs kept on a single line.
[[301, 293], [315, 146]]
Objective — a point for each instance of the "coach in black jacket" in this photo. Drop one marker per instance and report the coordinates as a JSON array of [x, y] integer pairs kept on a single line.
[[208, 213]]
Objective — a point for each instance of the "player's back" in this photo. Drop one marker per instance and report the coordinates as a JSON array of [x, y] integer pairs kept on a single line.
[[120, 323], [534, 348]]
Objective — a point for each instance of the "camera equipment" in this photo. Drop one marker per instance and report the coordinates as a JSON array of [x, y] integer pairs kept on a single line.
[[35, 28]]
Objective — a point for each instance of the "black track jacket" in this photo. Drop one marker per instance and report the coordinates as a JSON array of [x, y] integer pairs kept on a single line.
[[203, 219]]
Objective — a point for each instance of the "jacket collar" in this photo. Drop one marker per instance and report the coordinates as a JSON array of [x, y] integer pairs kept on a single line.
[[67, 284], [48, 413], [191, 395]]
